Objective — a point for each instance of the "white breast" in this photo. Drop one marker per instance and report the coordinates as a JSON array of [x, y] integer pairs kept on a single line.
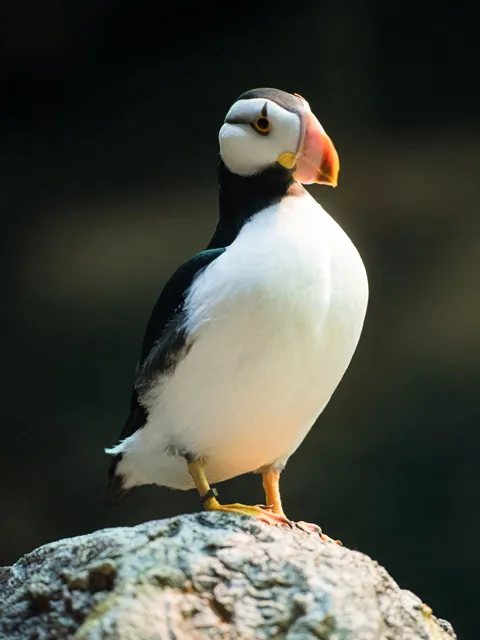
[[273, 325]]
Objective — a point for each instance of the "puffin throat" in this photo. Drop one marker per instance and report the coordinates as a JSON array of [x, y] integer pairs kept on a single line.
[[241, 197]]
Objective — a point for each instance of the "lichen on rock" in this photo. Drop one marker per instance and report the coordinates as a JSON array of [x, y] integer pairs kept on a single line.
[[207, 575]]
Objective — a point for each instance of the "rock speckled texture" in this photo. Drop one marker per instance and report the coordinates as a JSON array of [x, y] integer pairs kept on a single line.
[[207, 575]]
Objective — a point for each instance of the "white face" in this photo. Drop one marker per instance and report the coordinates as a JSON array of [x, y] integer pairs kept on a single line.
[[246, 151]]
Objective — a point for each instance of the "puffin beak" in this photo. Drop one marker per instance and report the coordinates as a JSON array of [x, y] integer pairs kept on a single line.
[[317, 160]]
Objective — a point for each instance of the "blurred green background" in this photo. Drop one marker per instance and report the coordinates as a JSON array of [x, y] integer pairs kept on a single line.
[[108, 128]]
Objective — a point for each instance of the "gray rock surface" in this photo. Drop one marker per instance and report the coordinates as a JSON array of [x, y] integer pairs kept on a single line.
[[207, 575]]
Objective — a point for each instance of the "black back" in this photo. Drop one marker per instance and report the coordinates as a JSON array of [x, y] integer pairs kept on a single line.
[[163, 345]]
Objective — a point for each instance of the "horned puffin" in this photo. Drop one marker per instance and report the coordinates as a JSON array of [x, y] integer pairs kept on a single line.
[[250, 337]]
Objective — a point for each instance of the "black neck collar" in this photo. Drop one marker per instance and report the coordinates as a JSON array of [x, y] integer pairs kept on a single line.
[[242, 197]]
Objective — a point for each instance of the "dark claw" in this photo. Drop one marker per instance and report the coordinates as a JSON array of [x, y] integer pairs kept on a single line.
[[311, 528], [314, 528]]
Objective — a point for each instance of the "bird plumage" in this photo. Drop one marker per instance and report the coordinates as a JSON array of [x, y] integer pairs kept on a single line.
[[268, 330], [163, 343], [249, 338]]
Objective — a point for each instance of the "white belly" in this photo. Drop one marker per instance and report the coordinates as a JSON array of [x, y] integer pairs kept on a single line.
[[273, 324]]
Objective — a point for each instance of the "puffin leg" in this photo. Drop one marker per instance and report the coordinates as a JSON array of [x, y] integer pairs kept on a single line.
[[210, 502], [271, 485]]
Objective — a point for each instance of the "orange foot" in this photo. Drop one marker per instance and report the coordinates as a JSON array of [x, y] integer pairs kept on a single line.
[[258, 511]]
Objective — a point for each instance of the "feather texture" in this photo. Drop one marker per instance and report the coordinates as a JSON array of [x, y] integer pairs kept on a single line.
[[271, 325]]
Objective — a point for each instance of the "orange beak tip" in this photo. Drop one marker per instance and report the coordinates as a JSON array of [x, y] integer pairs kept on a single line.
[[318, 161]]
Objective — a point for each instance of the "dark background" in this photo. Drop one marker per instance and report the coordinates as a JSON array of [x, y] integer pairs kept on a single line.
[[108, 127]]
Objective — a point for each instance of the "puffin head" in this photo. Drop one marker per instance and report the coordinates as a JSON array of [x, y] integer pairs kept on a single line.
[[268, 128]]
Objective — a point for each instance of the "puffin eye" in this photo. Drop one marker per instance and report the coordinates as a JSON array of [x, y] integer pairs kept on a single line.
[[262, 125]]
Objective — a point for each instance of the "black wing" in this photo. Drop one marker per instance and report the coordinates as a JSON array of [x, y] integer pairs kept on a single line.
[[162, 348], [164, 335]]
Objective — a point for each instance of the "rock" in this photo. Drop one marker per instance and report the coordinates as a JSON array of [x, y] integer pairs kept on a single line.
[[207, 575]]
